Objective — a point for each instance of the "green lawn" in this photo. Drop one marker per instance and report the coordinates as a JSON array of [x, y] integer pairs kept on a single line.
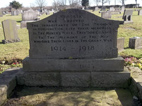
[[20, 50]]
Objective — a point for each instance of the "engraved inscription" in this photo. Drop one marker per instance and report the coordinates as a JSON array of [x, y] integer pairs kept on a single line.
[[73, 33]]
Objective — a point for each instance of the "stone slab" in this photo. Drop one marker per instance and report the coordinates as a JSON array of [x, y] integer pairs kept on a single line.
[[7, 83], [39, 79], [135, 43], [39, 65], [75, 79], [106, 15], [24, 24], [111, 79], [120, 44]]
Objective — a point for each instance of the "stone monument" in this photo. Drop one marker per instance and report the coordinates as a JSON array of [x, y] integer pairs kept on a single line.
[[120, 44], [106, 15], [1, 13], [73, 48], [135, 43], [127, 16], [10, 31], [140, 12], [29, 16], [111, 9]]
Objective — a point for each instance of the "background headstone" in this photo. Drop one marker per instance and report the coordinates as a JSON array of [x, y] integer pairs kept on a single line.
[[1, 13], [29, 16], [127, 16], [120, 44], [112, 9], [106, 15], [140, 12], [135, 43], [10, 31]]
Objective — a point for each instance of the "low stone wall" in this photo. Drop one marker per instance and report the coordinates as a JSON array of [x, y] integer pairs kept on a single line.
[[7, 83]]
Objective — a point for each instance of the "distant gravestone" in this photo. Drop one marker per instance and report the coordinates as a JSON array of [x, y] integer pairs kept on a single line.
[[112, 9], [127, 16], [96, 8], [10, 31], [1, 13], [122, 9], [29, 16], [140, 12], [135, 43], [106, 15], [15, 12], [73, 48], [120, 44]]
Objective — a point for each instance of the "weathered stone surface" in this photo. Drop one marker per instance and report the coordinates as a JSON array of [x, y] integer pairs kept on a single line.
[[15, 12], [73, 33], [140, 12], [135, 43], [10, 31], [106, 14], [109, 65], [7, 83], [111, 9], [120, 44], [1, 13], [122, 9], [29, 15], [127, 16], [39, 79], [75, 79], [24, 24], [3, 94], [110, 79]]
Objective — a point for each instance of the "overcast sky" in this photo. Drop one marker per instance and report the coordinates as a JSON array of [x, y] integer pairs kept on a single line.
[[28, 3]]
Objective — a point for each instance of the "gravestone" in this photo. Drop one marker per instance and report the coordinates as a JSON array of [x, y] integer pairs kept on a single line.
[[127, 16], [29, 16], [112, 9], [15, 12], [96, 8], [10, 31], [135, 43], [106, 14], [1, 13], [122, 9], [73, 48], [140, 12], [120, 44]]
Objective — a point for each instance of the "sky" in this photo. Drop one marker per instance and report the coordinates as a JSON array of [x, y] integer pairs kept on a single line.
[[28, 3]]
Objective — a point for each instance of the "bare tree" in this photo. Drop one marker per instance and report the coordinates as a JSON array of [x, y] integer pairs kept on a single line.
[[56, 4], [122, 1], [103, 2], [74, 3], [109, 1], [40, 3]]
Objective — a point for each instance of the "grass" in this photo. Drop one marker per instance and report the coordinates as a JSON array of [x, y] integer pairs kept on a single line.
[[20, 50]]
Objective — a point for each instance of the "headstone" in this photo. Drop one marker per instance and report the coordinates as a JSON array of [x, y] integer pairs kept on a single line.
[[135, 43], [1, 13], [106, 15], [96, 8], [15, 12], [103, 8], [73, 48], [140, 12], [127, 16], [120, 44], [112, 9], [29, 16], [10, 31], [122, 9]]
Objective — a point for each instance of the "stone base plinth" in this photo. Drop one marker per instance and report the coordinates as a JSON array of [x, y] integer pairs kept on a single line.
[[74, 65], [75, 79]]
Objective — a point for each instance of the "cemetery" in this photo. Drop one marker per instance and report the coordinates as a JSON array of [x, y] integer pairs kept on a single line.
[[72, 57]]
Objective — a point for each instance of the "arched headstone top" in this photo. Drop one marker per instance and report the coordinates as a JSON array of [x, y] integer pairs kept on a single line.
[[73, 33]]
